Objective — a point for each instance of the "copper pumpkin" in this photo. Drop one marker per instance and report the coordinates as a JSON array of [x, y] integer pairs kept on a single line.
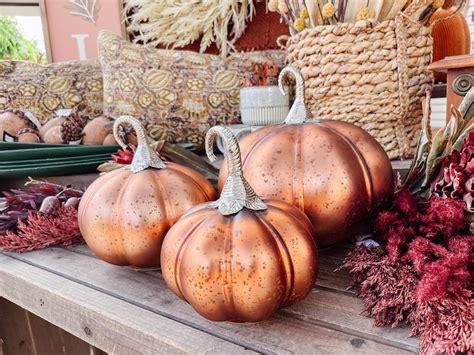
[[239, 258], [125, 214], [333, 171]]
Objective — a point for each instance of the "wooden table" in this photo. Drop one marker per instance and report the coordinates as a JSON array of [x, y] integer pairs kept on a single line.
[[123, 310]]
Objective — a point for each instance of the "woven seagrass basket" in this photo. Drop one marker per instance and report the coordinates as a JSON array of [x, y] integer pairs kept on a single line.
[[372, 74]]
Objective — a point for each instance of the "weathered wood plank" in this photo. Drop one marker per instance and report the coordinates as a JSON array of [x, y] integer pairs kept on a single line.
[[106, 322], [14, 329], [270, 336], [340, 312], [50, 339]]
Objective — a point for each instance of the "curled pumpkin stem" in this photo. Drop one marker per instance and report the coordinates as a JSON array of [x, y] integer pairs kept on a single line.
[[298, 112], [145, 156], [237, 193]]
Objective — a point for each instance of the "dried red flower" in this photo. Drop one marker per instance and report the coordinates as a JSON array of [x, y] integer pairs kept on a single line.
[[124, 156], [455, 178], [423, 272]]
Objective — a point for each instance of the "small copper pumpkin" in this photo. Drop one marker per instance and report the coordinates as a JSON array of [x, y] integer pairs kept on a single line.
[[125, 214], [333, 171], [239, 258]]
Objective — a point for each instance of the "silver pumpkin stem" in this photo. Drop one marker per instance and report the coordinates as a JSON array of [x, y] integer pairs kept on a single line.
[[145, 156], [237, 193], [298, 112]]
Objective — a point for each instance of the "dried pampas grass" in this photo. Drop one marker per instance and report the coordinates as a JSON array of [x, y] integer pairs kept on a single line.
[[176, 23]]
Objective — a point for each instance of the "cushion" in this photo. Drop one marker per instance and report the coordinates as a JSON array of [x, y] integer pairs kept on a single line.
[[43, 89], [178, 95]]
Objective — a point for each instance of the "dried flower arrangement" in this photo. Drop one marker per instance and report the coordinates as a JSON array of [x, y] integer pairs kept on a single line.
[[301, 14], [178, 23], [420, 269], [44, 214], [261, 74], [421, 274]]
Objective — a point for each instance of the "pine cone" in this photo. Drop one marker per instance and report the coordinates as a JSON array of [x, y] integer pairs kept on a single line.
[[71, 129]]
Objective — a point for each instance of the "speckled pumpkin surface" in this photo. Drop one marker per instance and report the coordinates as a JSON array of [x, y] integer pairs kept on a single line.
[[124, 216], [43, 89], [242, 267], [333, 171]]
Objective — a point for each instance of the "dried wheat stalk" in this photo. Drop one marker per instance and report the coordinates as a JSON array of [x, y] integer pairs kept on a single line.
[[176, 23]]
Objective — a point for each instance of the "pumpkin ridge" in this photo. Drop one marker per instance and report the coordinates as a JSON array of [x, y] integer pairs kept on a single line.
[[161, 195], [284, 254], [299, 170], [365, 169], [118, 202], [181, 250], [227, 291], [291, 213]]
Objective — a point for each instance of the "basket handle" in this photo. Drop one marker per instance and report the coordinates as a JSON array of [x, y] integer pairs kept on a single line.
[[460, 6], [414, 7], [417, 5]]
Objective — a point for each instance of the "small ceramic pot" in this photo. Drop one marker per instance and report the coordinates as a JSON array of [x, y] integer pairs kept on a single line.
[[263, 105]]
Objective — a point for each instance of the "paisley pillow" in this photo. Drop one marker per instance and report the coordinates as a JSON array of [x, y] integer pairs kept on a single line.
[[43, 89], [178, 95]]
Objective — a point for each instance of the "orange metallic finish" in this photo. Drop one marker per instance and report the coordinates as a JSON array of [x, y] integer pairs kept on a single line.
[[124, 217], [333, 171], [242, 267]]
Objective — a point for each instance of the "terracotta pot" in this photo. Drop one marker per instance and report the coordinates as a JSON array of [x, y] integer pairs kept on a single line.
[[333, 171], [450, 37], [239, 258], [125, 214]]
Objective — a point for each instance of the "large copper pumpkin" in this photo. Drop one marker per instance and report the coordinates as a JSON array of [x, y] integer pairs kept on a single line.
[[333, 171], [239, 258], [125, 214]]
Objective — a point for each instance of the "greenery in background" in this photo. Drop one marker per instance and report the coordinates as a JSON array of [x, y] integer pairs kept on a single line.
[[13, 45]]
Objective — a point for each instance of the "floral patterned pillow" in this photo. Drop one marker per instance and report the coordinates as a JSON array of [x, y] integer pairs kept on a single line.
[[43, 89], [178, 95]]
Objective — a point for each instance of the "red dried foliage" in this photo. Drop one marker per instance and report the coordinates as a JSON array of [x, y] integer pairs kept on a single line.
[[386, 287], [446, 325], [422, 274], [41, 231]]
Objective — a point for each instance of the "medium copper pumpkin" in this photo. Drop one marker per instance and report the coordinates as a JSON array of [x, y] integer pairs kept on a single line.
[[239, 258], [125, 214], [333, 171]]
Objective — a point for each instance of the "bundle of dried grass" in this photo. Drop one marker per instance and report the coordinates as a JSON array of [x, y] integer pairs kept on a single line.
[[176, 23]]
